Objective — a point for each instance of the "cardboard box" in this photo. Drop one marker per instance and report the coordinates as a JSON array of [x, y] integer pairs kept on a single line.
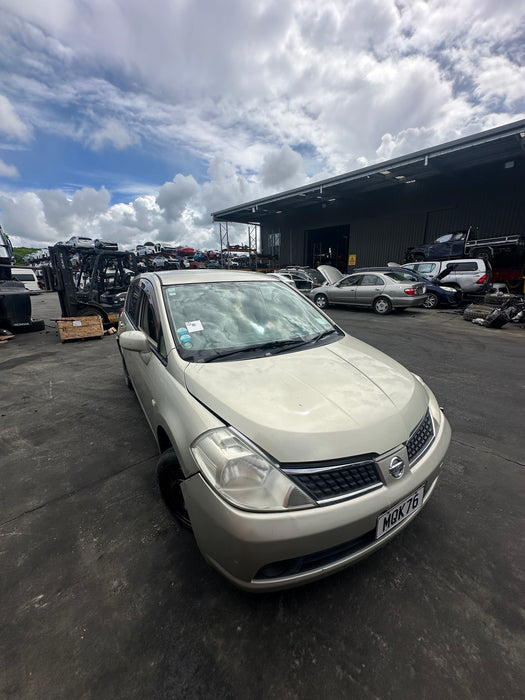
[[78, 327]]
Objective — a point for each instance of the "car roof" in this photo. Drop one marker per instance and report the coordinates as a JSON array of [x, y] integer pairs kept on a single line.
[[377, 269], [206, 275]]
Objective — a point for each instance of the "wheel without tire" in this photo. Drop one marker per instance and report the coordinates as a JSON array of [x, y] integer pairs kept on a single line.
[[170, 478], [431, 301], [321, 300], [382, 305]]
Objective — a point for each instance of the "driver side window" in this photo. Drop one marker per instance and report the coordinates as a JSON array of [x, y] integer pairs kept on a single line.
[[149, 321], [350, 281], [371, 280]]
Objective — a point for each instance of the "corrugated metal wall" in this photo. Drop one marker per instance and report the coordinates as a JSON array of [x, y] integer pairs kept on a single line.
[[383, 227]]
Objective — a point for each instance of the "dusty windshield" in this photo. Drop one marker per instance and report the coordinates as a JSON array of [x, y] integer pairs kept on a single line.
[[239, 320]]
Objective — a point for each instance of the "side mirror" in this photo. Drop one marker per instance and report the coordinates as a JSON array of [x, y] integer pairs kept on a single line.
[[135, 341]]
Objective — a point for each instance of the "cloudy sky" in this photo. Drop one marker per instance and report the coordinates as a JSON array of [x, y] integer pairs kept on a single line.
[[132, 121]]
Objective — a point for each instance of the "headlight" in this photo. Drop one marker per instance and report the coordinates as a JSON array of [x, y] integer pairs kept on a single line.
[[433, 405], [449, 289], [243, 475]]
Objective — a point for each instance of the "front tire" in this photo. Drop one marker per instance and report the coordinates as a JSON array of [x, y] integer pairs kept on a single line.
[[170, 478], [382, 306], [431, 301], [321, 300]]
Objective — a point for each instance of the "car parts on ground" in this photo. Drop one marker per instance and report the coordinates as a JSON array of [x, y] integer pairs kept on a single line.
[[497, 315]]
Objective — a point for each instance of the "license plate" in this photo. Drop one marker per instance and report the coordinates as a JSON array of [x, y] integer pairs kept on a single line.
[[389, 520]]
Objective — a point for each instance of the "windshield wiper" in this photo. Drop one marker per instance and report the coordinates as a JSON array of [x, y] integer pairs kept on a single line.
[[280, 345], [322, 335]]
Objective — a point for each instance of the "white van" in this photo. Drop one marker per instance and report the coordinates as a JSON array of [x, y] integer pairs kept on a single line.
[[26, 275], [471, 275]]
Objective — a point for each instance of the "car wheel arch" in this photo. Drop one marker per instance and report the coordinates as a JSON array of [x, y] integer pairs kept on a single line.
[[389, 306], [163, 440], [170, 477]]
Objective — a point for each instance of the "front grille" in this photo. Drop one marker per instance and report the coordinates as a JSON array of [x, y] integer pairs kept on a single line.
[[420, 438], [334, 482]]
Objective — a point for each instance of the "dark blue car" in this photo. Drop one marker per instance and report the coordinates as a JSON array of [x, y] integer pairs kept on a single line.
[[437, 294]]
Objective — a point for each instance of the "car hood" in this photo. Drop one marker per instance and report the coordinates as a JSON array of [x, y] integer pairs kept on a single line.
[[324, 403], [331, 274]]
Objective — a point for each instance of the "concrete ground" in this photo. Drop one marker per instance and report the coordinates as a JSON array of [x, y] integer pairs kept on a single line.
[[104, 596]]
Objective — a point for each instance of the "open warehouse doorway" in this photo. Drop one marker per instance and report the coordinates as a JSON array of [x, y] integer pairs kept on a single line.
[[328, 246]]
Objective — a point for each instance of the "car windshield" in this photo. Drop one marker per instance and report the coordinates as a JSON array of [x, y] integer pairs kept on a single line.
[[399, 276], [241, 320], [316, 276]]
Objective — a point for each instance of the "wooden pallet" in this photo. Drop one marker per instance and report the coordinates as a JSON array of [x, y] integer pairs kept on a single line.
[[80, 327], [5, 336]]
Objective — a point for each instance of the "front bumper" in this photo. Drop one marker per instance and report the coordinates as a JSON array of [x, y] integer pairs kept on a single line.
[[303, 545]]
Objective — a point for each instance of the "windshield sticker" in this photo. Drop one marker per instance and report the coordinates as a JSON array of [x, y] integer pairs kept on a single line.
[[193, 326], [185, 338], [181, 331]]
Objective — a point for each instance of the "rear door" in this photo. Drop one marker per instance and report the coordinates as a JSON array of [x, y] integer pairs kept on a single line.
[[370, 288]]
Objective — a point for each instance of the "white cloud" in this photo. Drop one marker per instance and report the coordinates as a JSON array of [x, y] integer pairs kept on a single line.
[[111, 133], [10, 122], [239, 99], [175, 196], [282, 169], [7, 170], [24, 216]]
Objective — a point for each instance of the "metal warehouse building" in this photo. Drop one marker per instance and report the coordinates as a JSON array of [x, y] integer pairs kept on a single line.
[[370, 216]]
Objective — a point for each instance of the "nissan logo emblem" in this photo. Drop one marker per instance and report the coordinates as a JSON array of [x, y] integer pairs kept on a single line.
[[396, 467]]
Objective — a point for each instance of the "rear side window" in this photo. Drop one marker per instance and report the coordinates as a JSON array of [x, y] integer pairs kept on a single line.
[[401, 276], [425, 268], [23, 276], [464, 266]]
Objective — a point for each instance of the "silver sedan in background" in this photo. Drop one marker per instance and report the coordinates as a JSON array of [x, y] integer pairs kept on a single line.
[[382, 291]]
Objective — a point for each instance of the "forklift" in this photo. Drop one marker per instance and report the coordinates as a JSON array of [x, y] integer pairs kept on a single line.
[[15, 299], [90, 281]]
